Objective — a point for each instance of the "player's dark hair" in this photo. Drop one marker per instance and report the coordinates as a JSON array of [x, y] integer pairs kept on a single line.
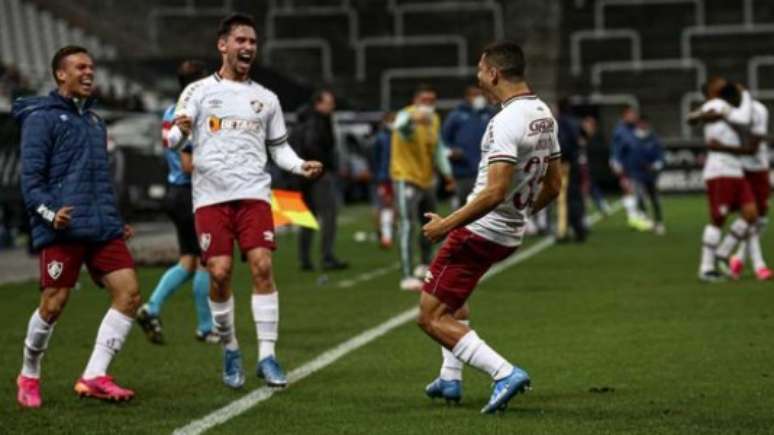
[[61, 54], [318, 95], [234, 20], [190, 71], [730, 92], [508, 58], [424, 87]]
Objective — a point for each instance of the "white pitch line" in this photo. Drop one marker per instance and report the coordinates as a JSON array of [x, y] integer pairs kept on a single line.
[[330, 356], [367, 276]]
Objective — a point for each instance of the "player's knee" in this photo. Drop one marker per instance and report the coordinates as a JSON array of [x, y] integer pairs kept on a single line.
[[220, 274], [128, 299], [262, 266], [52, 303], [425, 321]]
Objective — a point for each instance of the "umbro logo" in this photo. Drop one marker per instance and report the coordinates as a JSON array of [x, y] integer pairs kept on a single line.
[[428, 277], [268, 236], [55, 269]]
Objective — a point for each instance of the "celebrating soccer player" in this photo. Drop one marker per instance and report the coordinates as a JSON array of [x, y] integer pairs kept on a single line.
[[74, 219], [728, 114], [519, 174], [233, 122]]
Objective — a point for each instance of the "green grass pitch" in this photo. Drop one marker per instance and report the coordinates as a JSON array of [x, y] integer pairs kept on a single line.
[[623, 314]]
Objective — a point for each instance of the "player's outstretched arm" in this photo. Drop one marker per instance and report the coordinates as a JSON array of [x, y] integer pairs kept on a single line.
[[498, 180], [550, 187], [287, 159]]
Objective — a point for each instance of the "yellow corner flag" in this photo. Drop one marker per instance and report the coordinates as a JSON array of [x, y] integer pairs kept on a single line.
[[288, 208]]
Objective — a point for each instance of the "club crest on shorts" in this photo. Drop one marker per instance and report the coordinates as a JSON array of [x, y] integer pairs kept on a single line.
[[268, 236], [256, 105], [55, 269], [204, 241]]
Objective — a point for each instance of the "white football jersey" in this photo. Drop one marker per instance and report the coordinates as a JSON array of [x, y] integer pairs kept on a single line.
[[719, 164], [523, 133], [233, 123], [760, 127]]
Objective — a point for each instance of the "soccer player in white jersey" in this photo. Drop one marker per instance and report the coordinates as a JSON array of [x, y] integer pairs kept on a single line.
[[519, 174], [730, 115], [233, 122], [756, 172]]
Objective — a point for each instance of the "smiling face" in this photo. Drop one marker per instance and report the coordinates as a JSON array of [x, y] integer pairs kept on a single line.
[[238, 50], [75, 75]]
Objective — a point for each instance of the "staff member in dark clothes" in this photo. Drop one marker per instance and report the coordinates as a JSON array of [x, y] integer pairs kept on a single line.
[[314, 139], [462, 132], [569, 137]]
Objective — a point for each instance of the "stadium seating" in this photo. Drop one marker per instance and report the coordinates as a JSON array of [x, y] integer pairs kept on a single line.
[[29, 36], [660, 52]]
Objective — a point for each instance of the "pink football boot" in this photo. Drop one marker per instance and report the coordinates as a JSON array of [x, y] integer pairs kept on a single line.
[[737, 266], [102, 387], [764, 274], [29, 392]]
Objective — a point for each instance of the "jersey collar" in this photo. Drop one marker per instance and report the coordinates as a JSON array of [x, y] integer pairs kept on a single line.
[[524, 96]]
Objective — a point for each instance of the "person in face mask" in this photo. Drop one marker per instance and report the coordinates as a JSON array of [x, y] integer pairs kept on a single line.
[[417, 149], [647, 163], [462, 132]]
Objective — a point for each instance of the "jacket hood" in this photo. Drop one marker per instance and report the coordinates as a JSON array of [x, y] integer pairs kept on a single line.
[[24, 107]]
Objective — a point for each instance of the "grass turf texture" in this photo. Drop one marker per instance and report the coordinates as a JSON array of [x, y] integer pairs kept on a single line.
[[623, 314]]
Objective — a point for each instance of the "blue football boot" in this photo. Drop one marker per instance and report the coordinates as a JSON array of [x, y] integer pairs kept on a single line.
[[270, 370], [504, 389], [233, 376], [451, 391]]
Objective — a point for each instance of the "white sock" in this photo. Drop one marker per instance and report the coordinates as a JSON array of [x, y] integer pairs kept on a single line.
[[451, 368], [756, 254], [472, 350], [266, 316], [742, 250], [385, 222], [754, 245], [112, 332], [223, 322], [709, 242], [38, 334], [736, 233], [630, 205]]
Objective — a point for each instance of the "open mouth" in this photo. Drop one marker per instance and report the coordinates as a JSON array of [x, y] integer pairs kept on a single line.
[[245, 57], [86, 81]]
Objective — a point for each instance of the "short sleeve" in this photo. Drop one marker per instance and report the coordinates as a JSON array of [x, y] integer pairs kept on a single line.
[[276, 132], [187, 104], [556, 149], [760, 124], [504, 139]]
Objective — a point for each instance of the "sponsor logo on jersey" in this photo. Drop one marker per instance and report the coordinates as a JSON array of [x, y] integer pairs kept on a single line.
[[268, 236], [542, 125], [55, 269], [214, 103], [256, 105], [217, 124], [204, 241]]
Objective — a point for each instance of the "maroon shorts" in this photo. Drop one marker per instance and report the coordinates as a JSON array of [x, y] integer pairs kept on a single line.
[[61, 264], [726, 195], [761, 188], [462, 260], [248, 221]]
